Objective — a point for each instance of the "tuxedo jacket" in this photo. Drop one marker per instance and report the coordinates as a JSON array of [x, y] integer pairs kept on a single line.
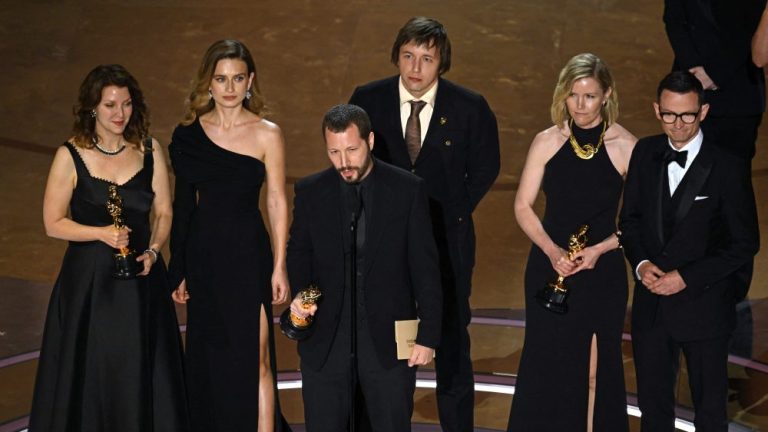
[[401, 273], [714, 235], [717, 35], [459, 160]]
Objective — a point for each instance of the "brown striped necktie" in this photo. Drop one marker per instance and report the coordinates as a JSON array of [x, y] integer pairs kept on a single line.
[[413, 130]]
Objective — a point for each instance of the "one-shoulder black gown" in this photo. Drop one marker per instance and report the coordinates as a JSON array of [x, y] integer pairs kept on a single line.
[[111, 357], [552, 386], [221, 247]]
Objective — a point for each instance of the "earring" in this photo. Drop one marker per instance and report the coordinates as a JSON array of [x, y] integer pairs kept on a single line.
[[248, 94], [93, 113], [210, 94]]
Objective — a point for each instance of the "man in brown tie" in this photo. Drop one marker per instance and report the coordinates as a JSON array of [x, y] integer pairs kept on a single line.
[[448, 136]]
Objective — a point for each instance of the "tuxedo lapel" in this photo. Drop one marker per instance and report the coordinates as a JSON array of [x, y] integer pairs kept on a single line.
[[382, 208], [329, 209], [692, 183], [438, 114], [398, 149], [661, 182]]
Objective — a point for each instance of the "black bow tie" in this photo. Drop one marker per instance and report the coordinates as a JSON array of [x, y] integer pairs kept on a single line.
[[670, 155]]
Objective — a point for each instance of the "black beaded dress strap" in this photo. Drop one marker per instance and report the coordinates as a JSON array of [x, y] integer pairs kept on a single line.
[[149, 161], [80, 168]]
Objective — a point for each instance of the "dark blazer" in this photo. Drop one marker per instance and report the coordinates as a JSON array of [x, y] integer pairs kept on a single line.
[[715, 233], [717, 35], [402, 279], [459, 159]]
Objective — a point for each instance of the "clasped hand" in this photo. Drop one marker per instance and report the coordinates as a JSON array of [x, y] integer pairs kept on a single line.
[[581, 260], [660, 282]]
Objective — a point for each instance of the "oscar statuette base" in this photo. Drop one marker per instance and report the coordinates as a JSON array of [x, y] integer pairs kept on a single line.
[[126, 266], [291, 330], [552, 298]]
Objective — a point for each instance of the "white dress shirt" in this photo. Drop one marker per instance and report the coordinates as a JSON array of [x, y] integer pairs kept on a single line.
[[674, 171], [426, 113]]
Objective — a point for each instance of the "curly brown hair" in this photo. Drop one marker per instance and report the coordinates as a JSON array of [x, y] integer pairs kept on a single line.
[[200, 102], [102, 76]]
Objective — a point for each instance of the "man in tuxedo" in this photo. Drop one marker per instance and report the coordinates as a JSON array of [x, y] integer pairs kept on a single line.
[[448, 136], [397, 278], [690, 230], [712, 39]]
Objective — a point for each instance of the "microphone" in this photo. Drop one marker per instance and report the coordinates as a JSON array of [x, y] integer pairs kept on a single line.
[[354, 203]]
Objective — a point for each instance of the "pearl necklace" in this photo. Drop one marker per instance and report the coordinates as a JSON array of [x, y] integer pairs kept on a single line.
[[104, 151]]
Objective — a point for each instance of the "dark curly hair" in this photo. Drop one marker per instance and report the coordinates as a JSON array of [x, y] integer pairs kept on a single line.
[[102, 76], [340, 117]]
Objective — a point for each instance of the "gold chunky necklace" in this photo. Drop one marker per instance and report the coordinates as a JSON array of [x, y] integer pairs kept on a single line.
[[587, 150]]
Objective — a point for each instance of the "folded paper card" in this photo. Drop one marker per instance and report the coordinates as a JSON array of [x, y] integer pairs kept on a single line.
[[405, 337]]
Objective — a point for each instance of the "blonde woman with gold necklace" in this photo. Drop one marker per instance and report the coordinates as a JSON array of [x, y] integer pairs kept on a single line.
[[570, 375]]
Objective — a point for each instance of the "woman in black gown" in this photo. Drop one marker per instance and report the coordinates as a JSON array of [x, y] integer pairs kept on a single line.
[[111, 354], [222, 263], [571, 370]]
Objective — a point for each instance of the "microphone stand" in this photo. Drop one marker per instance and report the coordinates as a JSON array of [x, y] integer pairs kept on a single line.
[[353, 319]]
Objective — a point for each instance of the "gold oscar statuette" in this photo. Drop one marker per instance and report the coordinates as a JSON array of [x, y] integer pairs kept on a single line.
[[553, 296], [126, 266], [296, 327]]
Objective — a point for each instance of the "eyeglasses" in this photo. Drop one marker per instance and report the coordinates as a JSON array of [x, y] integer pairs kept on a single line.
[[687, 118]]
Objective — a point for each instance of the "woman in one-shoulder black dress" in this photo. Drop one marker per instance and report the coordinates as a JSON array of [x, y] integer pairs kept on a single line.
[[571, 370], [222, 262], [111, 357]]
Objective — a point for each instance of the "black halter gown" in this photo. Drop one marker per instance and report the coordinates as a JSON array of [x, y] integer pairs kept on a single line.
[[552, 386]]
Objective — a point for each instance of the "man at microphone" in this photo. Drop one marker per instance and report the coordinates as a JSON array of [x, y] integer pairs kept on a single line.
[[397, 279]]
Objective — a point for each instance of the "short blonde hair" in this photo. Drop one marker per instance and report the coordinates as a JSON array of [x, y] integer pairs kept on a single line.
[[584, 65]]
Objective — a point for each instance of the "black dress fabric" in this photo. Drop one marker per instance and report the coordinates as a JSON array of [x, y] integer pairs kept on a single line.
[[221, 247], [552, 386], [111, 357]]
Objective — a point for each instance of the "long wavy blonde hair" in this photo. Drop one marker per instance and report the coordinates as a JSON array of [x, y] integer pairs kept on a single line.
[[200, 102]]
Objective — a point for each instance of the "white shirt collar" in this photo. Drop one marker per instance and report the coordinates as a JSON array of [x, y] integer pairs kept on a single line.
[[692, 147], [405, 97]]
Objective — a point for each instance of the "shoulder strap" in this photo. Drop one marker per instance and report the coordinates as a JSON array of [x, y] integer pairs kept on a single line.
[[148, 157], [80, 168], [148, 143]]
